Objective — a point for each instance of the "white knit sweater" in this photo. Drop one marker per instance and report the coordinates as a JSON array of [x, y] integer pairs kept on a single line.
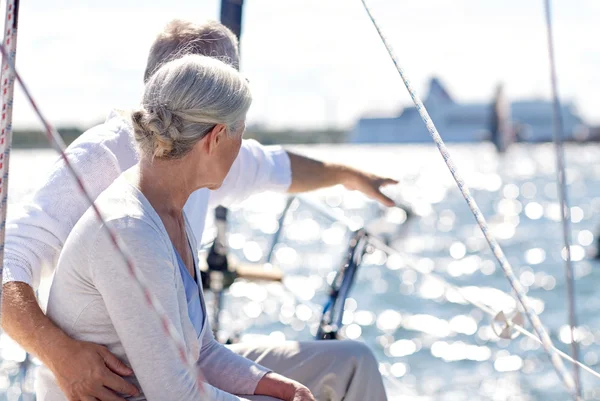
[[94, 299], [36, 235]]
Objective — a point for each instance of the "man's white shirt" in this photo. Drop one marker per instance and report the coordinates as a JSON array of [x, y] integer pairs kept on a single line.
[[37, 233]]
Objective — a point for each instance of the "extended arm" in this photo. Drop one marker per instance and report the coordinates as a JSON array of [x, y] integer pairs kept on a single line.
[[310, 174], [261, 168]]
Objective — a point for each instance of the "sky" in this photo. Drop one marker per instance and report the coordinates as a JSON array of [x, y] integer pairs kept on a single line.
[[312, 63]]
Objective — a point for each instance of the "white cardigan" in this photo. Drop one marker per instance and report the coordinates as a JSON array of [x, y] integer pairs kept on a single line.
[[36, 234], [93, 298]]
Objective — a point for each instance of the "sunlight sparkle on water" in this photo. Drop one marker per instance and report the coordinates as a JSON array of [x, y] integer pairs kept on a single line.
[[458, 351], [277, 336], [409, 276], [535, 256], [528, 190], [305, 230], [253, 309], [577, 214], [350, 305], [488, 267], [347, 318], [269, 225], [253, 291], [503, 230], [334, 235], [427, 324], [395, 262], [431, 288], [398, 369], [577, 253], [236, 241], [10, 350], [286, 255], [493, 182], [464, 267], [301, 286], [364, 317], [509, 207], [389, 320], [585, 237], [458, 250], [287, 310], [552, 212], [581, 333], [510, 191], [396, 215], [534, 211], [455, 297], [353, 331], [303, 312], [463, 324], [402, 348], [377, 258], [508, 363], [252, 251], [527, 278], [446, 220], [590, 358], [426, 265], [548, 283]]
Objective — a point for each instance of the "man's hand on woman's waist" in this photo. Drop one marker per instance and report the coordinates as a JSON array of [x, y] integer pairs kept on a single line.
[[83, 370]]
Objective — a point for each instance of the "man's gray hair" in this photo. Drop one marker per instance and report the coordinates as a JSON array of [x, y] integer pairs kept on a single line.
[[180, 37], [183, 100]]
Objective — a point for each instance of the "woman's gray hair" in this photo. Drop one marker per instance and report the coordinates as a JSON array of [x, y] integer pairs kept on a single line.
[[183, 100]]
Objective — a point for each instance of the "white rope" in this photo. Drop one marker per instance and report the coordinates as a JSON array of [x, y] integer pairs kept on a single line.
[[557, 362], [561, 178], [7, 86]]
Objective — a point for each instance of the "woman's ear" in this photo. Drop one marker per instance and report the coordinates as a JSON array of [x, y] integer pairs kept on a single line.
[[214, 137]]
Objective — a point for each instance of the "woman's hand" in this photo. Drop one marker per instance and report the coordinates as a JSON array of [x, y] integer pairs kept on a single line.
[[302, 393], [275, 385]]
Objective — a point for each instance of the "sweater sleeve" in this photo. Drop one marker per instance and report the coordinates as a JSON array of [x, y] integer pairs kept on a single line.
[[257, 168], [227, 370], [36, 234]]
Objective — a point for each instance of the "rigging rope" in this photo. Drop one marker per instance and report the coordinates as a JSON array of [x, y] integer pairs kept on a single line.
[[561, 178], [7, 86], [495, 247], [56, 141]]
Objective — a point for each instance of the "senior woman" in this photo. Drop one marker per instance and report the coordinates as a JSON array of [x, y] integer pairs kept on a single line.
[[189, 131]]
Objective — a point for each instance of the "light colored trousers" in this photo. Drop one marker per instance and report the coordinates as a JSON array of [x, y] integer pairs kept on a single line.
[[333, 370]]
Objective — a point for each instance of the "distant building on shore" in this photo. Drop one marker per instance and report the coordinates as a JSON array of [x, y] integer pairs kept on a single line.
[[531, 121]]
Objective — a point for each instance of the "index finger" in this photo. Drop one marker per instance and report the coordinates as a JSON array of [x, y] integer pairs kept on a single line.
[[382, 198], [118, 384], [104, 394], [388, 181]]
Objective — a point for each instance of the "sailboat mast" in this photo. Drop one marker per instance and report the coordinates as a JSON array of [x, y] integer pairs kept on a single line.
[[231, 15]]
